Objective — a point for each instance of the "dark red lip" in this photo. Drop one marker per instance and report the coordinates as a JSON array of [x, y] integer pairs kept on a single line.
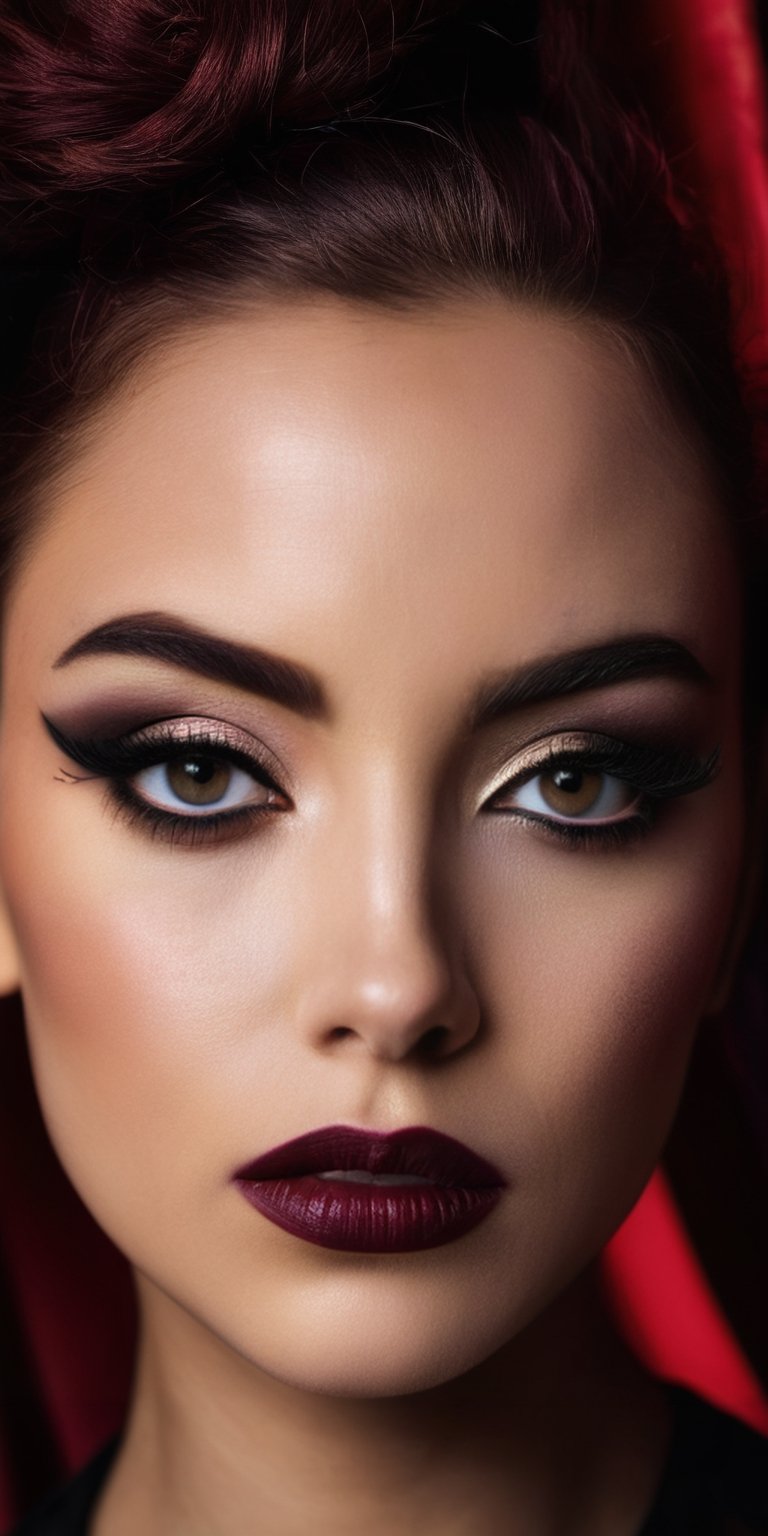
[[284, 1186]]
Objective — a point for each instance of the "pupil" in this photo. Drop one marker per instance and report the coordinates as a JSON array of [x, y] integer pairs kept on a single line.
[[199, 780], [201, 769], [571, 780]]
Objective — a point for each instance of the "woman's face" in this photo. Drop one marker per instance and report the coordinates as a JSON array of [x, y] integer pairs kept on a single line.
[[422, 924]]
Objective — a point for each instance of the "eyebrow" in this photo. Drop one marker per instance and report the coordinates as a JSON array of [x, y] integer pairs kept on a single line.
[[590, 666], [161, 637]]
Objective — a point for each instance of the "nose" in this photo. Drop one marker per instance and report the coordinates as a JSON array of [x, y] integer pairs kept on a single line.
[[385, 966]]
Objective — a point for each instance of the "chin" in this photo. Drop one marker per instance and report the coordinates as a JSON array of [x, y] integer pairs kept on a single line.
[[372, 1372], [344, 1344]]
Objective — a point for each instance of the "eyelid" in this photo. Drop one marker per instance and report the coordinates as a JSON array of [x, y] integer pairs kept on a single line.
[[659, 770], [116, 755], [538, 756], [531, 758], [190, 729]]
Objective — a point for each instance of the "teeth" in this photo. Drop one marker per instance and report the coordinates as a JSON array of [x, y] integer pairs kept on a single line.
[[361, 1176]]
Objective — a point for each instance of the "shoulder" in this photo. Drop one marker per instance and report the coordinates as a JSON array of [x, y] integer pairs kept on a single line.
[[715, 1482], [66, 1511]]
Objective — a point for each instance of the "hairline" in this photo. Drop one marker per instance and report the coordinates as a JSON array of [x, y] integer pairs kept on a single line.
[[50, 471]]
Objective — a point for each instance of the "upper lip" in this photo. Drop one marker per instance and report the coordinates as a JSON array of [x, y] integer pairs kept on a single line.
[[415, 1149]]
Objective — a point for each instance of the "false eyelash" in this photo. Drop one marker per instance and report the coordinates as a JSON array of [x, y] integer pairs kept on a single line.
[[125, 756], [119, 759], [661, 773]]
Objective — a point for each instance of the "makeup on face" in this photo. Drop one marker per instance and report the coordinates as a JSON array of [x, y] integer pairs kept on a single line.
[[360, 1191], [381, 751], [195, 779], [198, 780]]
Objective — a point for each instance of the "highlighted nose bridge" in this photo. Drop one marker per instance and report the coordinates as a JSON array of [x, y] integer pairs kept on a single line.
[[390, 970]]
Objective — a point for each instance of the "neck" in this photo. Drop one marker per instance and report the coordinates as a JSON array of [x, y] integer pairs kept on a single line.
[[559, 1431]]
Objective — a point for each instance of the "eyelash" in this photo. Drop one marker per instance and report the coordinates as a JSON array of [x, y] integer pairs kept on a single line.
[[119, 760], [659, 773]]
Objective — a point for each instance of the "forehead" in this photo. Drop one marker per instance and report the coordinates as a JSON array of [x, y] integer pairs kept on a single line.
[[475, 483]]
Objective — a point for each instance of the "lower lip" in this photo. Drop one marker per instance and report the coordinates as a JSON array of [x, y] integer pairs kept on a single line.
[[375, 1218]]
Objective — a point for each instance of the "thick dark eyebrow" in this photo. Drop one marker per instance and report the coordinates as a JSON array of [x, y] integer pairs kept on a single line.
[[164, 638], [591, 666]]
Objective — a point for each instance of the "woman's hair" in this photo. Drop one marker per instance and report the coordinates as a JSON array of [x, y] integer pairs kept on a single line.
[[166, 163]]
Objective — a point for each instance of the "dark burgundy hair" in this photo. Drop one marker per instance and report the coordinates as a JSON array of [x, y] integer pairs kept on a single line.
[[165, 161]]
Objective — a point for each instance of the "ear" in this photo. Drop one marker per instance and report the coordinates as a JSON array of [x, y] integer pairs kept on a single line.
[[10, 969], [751, 884]]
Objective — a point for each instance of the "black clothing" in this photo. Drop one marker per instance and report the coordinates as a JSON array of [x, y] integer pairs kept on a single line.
[[715, 1480], [714, 1483], [67, 1510]]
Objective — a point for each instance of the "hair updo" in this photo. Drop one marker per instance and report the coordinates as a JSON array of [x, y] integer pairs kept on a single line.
[[163, 163]]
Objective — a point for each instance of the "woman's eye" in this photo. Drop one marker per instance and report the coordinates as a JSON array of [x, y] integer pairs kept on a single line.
[[571, 791], [196, 782]]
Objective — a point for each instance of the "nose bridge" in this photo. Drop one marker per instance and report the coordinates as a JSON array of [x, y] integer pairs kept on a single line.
[[388, 960]]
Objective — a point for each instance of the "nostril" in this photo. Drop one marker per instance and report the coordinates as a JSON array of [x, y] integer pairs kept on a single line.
[[432, 1042]]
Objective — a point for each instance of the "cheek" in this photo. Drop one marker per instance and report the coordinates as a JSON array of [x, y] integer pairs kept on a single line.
[[162, 1006], [151, 1000], [605, 964]]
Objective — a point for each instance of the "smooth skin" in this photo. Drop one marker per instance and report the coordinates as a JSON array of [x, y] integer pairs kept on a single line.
[[407, 505]]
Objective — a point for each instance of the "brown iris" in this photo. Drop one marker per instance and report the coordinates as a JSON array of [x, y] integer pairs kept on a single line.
[[571, 791], [199, 780]]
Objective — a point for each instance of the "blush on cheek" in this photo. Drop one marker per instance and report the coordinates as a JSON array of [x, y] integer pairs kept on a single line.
[[644, 998], [146, 1003], [604, 977], [629, 1077]]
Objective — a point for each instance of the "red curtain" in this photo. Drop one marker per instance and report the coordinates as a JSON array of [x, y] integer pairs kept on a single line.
[[700, 70]]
